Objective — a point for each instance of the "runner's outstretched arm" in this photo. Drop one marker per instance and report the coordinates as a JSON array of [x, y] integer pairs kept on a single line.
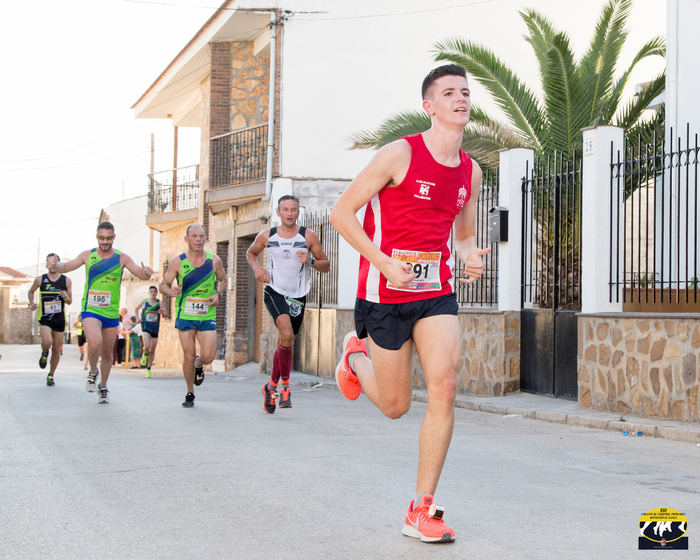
[[387, 168], [68, 266], [143, 272]]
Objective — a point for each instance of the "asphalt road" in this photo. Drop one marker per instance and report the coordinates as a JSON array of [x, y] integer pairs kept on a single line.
[[143, 478]]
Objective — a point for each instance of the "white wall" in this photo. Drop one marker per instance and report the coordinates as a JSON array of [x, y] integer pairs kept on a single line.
[[342, 73], [682, 67]]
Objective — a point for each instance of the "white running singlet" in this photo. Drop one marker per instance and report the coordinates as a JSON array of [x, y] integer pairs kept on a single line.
[[288, 276]]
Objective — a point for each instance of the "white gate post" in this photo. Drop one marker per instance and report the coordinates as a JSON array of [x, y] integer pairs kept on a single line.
[[511, 171], [596, 245]]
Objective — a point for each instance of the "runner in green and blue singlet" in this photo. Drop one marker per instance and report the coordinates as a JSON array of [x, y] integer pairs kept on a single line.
[[100, 305], [201, 284]]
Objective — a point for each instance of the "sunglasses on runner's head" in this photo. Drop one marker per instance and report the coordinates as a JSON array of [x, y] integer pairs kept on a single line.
[[105, 237]]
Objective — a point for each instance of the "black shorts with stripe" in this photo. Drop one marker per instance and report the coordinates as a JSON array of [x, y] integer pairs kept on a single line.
[[277, 305]]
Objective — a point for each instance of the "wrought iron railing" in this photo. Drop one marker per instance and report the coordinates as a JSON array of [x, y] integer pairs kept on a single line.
[[483, 292], [324, 286], [160, 189], [551, 232], [654, 222], [238, 157]]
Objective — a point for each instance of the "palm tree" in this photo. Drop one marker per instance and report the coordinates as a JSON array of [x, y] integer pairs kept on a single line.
[[576, 93]]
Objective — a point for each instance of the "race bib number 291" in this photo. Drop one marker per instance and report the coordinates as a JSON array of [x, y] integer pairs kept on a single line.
[[426, 267]]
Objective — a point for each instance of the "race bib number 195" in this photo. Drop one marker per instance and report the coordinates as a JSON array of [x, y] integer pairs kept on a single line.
[[426, 267], [99, 299]]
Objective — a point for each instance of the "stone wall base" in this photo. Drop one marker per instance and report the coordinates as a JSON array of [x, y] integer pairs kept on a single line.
[[645, 365]]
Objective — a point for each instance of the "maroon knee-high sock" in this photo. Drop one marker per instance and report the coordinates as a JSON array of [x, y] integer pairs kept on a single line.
[[285, 361], [275, 377]]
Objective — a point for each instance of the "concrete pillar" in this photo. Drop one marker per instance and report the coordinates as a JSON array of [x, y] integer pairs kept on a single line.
[[596, 226], [512, 165]]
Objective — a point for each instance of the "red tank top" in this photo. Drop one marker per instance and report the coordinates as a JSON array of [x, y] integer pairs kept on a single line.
[[412, 222]]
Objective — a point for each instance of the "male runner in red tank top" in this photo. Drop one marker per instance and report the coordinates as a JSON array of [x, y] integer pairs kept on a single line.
[[414, 189]]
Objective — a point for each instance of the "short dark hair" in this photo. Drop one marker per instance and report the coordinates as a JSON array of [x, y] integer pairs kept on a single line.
[[287, 197], [152, 288], [53, 255], [439, 72], [105, 225]]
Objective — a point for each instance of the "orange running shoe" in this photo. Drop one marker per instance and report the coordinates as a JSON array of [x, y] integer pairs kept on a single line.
[[347, 380], [425, 522]]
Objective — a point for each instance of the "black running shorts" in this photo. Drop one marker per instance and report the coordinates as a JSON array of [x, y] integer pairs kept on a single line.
[[391, 324], [56, 322], [277, 305]]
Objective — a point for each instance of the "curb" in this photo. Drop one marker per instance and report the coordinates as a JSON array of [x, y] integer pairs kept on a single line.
[[651, 430]]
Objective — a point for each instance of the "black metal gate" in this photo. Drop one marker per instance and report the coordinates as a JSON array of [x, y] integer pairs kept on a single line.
[[551, 277]]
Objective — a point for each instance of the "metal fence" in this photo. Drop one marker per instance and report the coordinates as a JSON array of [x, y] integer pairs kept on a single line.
[[160, 189], [551, 259], [324, 286], [238, 157], [483, 292], [654, 222]]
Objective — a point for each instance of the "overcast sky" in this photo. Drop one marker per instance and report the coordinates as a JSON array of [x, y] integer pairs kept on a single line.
[[70, 144]]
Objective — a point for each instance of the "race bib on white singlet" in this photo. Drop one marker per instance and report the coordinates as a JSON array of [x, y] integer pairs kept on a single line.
[[426, 267], [51, 307], [99, 299], [295, 306], [196, 306], [151, 317]]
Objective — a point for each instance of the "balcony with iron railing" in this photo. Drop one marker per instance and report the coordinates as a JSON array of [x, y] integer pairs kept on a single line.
[[237, 167], [173, 197]]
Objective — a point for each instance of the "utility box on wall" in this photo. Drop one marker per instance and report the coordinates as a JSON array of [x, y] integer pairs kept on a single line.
[[498, 224]]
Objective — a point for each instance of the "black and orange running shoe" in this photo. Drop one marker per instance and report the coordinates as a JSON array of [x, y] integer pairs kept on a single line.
[[285, 397], [269, 398]]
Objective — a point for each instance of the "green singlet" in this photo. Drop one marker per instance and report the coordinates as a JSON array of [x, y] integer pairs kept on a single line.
[[103, 280], [197, 285]]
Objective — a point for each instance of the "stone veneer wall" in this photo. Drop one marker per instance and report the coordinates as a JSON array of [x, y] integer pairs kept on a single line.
[[250, 85], [645, 365], [490, 358]]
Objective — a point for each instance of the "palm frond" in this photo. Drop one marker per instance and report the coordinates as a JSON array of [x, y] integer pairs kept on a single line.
[[563, 96], [597, 66], [482, 142], [516, 100], [393, 128], [654, 47], [540, 34], [632, 112], [645, 132]]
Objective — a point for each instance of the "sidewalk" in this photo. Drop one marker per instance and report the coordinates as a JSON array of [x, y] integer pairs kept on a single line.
[[535, 407]]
